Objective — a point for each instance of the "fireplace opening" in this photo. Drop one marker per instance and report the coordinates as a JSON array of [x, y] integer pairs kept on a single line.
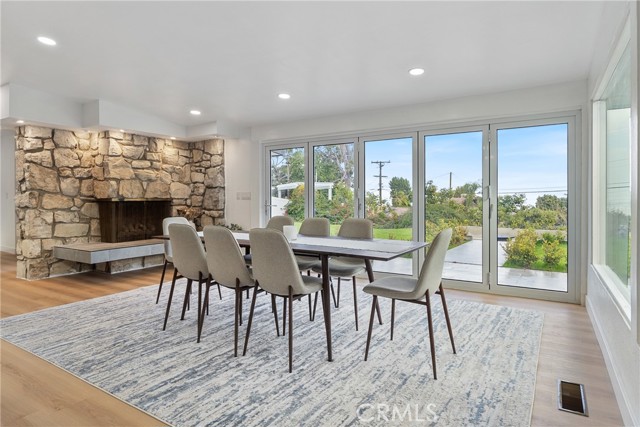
[[127, 220]]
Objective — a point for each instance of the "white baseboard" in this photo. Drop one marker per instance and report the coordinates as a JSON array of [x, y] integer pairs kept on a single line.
[[623, 402], [8, 249]]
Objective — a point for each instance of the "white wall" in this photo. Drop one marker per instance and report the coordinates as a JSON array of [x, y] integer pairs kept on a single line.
[[241, 181], [7, 192], [617, 335]]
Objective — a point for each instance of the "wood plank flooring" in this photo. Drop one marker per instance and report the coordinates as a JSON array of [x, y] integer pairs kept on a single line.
[[36, 393]]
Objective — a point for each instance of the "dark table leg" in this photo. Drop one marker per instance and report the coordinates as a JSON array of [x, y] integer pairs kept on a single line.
[[326, 310]]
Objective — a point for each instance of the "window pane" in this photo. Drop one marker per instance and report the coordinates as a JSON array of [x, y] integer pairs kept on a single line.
[[617, 122], [453, 199], [287, 182], [333, 167], [532, 207], [389, 195]]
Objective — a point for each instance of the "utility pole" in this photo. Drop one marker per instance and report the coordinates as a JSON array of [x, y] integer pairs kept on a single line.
[[380, 164], [450, 176]]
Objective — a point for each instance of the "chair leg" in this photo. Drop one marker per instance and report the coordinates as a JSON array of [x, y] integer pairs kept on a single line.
[[186, 298], [431, 340], [204, 306], [338, 297], [378, 312], [164, 269], [199, 295], [274, 310], [315, 304], [284, 316], [355, 301], [333, 295], [310, 312], [247, 293], [236, 317], [373, 311], [446, 316], [219, 292], [393, 315], [173, 285], [253, 306], [290, 329]]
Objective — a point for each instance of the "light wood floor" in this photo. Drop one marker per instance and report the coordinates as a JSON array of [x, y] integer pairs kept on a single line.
[[36, 393]]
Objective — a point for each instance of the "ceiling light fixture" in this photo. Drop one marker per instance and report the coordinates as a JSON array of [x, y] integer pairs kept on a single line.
[[195, 112], [173, 137], [284, 96], [19, 122], [47, 41], [122, 130], [416, 71]]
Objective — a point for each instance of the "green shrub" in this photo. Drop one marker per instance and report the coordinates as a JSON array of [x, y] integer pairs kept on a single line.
[[552, 251], [522, 249], [458, 237]]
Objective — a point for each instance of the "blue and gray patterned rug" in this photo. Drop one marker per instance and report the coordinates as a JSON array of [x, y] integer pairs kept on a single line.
[[117, 344]]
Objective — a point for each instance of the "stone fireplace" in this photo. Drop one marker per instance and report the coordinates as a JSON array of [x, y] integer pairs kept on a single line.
[[61, 175]]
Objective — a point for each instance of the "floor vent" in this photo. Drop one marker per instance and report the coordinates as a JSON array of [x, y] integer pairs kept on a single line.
[[571, 398]]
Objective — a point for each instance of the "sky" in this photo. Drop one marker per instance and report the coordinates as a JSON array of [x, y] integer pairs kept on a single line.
[[531, 160]]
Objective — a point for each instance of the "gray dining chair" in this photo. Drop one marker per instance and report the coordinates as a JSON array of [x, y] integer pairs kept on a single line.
[[190, 259], [168, 252], [227, 267], [276, 272], [417, 291], [275, 223], [314, 227], [348, 267]]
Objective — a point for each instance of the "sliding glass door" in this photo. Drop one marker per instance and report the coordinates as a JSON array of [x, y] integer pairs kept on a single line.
[[334, 181], [388, 193], [505, 189], [455, 176], [531, 169]]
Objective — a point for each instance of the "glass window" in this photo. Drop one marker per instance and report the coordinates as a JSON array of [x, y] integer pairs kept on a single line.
[[612, 118]]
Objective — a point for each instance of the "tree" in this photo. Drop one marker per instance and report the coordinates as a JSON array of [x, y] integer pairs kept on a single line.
[[287, 166], [401, 194], [550, 202]]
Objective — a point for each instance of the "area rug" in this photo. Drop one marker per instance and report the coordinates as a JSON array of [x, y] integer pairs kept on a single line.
[[117, 344]]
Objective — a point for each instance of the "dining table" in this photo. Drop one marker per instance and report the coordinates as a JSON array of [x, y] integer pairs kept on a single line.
[[324, 248]]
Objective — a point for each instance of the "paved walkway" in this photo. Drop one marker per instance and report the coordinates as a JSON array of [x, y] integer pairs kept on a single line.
[[464, 263]]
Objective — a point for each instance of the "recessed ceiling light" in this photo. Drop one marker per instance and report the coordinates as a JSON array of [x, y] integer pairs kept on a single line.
[[195, 112], [122, 130], [416, 71], [173, 137], [19, 122], [284, 96], [47, 41]]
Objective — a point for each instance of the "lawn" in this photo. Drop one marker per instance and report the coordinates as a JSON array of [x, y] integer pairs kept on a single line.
[[561, 267]]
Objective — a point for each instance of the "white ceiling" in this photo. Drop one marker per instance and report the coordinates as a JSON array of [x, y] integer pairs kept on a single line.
[[231, 59]]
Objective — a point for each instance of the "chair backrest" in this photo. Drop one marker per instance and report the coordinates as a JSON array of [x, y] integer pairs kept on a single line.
[[168, 254], [188, 253], [274, 266], [279, 221], [356, 228], [224, 257], [431, 272], [318, 227]]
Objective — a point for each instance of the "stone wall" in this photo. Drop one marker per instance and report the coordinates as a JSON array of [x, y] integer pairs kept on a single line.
[[60, 174]]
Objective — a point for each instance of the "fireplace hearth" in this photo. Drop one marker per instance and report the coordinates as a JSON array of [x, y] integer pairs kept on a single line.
[[127, 220]]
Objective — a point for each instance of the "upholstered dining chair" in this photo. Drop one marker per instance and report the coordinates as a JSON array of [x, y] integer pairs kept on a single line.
[[316, 227], [352, 228], [190, 259], [275, 223], [227, 267], [168, 253], [417, 291], [276, 272]]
